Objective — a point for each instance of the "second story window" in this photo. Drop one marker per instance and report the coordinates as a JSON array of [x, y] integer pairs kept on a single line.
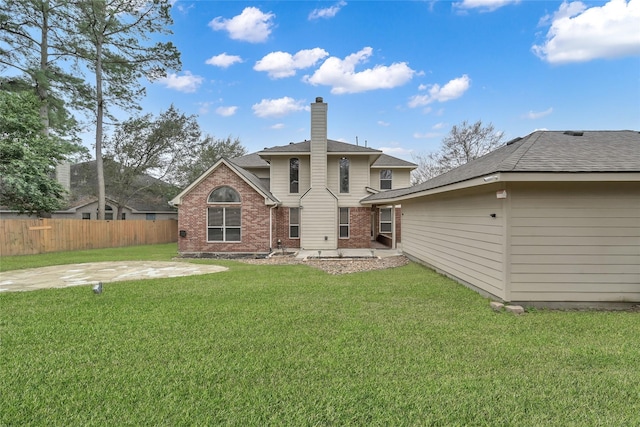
[[385, 179], [344, 175], [294, 175]]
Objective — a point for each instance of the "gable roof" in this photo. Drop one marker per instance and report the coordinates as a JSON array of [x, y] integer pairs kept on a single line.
[[252, 160], [247, 176], [332, 147], [386, 161], [543, 152]]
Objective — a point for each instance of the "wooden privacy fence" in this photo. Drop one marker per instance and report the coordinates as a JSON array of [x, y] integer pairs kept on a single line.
[[36, 236]]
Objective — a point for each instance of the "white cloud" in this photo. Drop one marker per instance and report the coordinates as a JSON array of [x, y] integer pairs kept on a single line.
[[341, 74], [383, 123], [278, 107], [439, 125], [223, 60], [579, 33], [277, 126], [252, 25], [427, 135], [282, 64], [188, 83], [486, 5], [226, 111], [328, 12], [453, 89], [538, 114]]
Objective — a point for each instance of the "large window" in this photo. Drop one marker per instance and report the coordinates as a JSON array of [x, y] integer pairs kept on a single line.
[[386, 220], [224, 222], [294, 223], [385, 179], [294, 175], [344, 175], [344, 223]]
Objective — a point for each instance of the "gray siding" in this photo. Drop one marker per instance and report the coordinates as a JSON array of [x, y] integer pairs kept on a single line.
[[575, 242], [456, 234]]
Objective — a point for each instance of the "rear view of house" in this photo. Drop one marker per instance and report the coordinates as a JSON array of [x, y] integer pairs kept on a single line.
[[299, 195]]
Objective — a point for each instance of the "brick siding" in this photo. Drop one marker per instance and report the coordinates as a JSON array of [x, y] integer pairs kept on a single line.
[[193, 216]]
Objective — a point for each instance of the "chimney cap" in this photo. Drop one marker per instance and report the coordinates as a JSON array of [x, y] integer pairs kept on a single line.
[[318, 99]]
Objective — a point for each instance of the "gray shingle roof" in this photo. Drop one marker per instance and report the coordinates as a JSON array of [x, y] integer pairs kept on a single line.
[[332, 147], [544, 151], [250, 161], [254, 180], [386, 161]]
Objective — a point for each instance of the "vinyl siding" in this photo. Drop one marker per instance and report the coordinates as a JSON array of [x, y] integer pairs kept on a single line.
[[318, 218], [575, 242], [358, 179], [456, 234], [401, 178], [280, 179]]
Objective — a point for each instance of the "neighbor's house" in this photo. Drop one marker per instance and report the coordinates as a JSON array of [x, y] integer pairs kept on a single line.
[[551, 217], [150, 202], [301, 195]]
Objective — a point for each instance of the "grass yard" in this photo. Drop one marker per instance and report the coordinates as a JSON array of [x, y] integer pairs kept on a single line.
[[292, 345]]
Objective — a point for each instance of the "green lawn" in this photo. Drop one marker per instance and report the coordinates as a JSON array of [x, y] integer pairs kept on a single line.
[[291, 345]]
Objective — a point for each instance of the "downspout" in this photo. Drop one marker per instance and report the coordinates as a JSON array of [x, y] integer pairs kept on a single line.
[[393, 227], [271, 226]]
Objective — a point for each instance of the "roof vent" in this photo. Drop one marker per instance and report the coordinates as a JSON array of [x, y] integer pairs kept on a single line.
[[291, 143], [573, 133], [319, 99], [514, 140]]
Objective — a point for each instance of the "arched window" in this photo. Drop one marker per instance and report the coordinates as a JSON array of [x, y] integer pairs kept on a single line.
[[344, 175], [294, 174], [224, 194], [224, 223]]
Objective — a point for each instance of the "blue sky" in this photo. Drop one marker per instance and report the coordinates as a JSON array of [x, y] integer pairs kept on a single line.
[[400, 74]]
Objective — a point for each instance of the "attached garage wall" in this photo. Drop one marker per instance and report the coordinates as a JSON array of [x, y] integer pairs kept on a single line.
[[575, 242], [456, 234]]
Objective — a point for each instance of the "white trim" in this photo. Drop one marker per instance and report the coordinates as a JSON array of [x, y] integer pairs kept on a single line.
[[516, 177], [177, 201]]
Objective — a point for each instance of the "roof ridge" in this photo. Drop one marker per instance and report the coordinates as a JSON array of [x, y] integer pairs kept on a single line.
[[512, 160]]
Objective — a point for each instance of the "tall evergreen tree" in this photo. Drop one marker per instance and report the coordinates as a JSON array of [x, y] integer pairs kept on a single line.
[[114, 42], [34, 40]]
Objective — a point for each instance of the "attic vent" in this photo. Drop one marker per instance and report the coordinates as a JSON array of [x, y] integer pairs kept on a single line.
[[573, 133], [319, 99], [514, 140], [291, 143]]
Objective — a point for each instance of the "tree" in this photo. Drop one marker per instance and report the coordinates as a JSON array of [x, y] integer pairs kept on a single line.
[[210, 151], [145, 150], [34, 37], [113, 41], [28, 157], [465, 142]]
